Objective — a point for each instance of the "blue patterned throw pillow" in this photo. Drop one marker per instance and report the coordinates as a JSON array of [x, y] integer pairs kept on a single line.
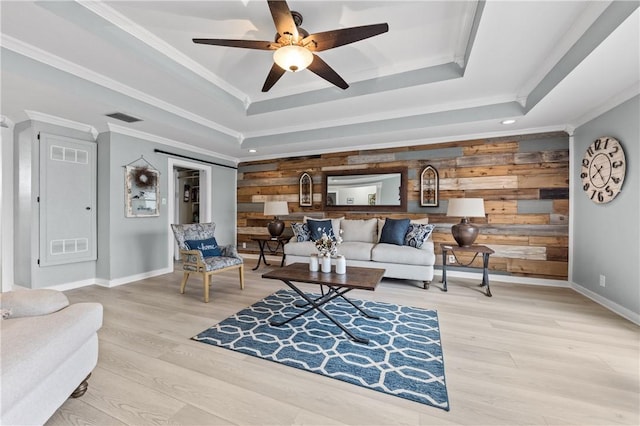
[[301, 232], [208, 247], [317, 227], [394, 230], [417, 234]]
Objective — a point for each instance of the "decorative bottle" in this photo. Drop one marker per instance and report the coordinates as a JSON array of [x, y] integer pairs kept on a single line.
[[341, 265], [313, 263], [325, 264]]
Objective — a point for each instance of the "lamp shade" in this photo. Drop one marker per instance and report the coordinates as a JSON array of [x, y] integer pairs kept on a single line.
[[466, 207], [293, 57], [276, 208]]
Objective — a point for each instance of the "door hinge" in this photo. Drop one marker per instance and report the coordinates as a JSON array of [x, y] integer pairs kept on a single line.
[[38, 261], [38, 199], [38, 136]]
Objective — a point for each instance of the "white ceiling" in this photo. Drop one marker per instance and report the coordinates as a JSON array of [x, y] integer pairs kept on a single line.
[[446, 70]]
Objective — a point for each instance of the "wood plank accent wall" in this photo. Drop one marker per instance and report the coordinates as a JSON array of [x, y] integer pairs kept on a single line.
[[524, 181]]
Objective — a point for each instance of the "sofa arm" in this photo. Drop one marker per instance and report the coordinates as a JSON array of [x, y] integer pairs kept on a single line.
[[29, 303]]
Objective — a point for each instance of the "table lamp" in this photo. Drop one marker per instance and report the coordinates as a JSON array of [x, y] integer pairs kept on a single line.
[[275, 209], [465, 233]]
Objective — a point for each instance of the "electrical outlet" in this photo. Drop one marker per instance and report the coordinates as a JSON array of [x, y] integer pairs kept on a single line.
[[602, 281], [244, 245], [452, 258]]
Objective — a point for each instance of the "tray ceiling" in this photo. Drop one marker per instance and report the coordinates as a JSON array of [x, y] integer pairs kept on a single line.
[[445, 70]]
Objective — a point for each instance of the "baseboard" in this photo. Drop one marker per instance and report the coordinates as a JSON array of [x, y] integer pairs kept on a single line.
[[504, 278], [612, 306], [110, 283], [131, 278], [73, 285]]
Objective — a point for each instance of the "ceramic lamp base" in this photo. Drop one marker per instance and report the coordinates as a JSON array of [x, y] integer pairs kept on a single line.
[[276, 227], [464, 233]]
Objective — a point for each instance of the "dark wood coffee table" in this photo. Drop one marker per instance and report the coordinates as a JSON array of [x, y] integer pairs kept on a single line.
[[356, 278]]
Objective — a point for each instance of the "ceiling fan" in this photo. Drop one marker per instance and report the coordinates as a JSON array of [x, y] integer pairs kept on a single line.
[[294, 46]]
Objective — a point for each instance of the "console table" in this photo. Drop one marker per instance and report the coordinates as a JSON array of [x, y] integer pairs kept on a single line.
[[263, 241], [477, 249]]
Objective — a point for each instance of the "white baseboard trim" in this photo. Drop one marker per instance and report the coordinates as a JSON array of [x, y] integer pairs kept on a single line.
[[131, 278], [612, 306], [73, 285], [110, 283], [504, 278]]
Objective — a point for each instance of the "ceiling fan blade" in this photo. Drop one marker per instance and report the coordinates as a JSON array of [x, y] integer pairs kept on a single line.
[[330, 39], [320, 68], [274, 75], [283, 19], [246, 44]]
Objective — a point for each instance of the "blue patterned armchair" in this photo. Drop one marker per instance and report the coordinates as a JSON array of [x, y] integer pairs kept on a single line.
[[193, 260]]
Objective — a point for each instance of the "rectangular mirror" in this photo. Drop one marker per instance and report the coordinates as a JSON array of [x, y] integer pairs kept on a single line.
[[364, 190]]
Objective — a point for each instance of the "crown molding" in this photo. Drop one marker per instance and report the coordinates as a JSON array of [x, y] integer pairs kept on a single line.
[[63, 122], [411, 142], [69, 67], [6, 122], [609, 104], [127, 25], [115, 128]]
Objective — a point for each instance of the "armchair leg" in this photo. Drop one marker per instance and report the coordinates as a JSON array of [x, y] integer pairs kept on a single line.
[[241, 277], [205, 283], [184, 282]]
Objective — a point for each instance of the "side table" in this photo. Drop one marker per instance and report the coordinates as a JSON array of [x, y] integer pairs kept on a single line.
[[263, 241], [477, 249]]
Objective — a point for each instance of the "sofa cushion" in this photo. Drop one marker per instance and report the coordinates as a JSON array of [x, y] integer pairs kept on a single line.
[[32, 302], [417, 234], [359, 230], [355, 250], [391, 253], [305, 248], [394, 231], [319, 227]]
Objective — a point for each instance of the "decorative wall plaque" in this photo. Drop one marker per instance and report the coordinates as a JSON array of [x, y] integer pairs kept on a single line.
[[306, 190], [429, 182]]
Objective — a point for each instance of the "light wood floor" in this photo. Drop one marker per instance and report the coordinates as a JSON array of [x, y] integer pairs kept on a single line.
[[529, 355]]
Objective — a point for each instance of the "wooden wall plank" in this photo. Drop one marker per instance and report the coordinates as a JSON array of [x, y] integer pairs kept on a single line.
[[490, 148], [488, 182]]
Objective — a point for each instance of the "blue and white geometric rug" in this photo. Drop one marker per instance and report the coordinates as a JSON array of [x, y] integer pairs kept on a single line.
[[403, 357]]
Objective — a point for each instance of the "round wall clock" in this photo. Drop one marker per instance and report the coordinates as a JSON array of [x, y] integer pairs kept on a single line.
[[603, 170]]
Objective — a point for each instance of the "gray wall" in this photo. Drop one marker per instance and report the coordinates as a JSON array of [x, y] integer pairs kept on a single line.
[[607, 237], [134, 246]]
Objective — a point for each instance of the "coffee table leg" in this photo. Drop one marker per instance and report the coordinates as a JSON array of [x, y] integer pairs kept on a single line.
[[318, 306]]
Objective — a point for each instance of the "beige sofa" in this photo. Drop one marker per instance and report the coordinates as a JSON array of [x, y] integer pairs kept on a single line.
[[361, 246], [49, 349]]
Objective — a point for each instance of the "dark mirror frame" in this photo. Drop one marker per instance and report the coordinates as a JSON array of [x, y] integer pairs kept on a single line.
[[388, 208]]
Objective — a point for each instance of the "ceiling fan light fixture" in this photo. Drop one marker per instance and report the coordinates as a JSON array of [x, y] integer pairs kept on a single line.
[[293, 58]]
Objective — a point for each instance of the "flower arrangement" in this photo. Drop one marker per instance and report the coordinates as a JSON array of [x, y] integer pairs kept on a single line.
[[328, 245]]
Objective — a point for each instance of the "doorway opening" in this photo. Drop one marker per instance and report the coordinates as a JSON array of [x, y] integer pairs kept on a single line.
[[187, 197], [189, 193]]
